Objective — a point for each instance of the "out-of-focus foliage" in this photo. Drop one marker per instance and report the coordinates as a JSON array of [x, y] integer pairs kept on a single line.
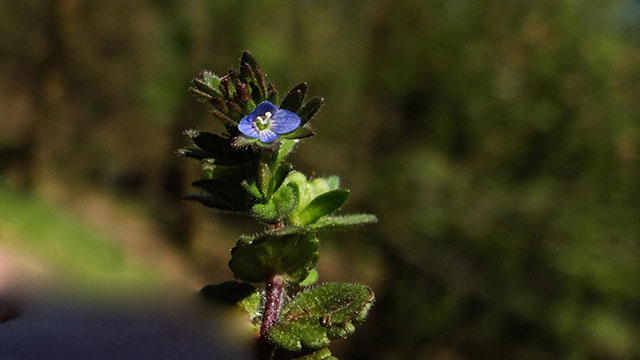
[[497, 141], [63, 247]]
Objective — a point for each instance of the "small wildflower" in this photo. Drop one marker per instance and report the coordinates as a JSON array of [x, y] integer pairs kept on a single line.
[[266, 122]]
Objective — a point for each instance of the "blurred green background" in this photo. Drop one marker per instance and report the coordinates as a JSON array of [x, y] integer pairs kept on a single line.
[[497, 141]]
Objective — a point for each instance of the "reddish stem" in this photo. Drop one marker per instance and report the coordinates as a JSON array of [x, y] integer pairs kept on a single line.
[[271, 304]]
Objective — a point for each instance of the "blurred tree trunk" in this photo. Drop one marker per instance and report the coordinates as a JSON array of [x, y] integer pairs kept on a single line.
[[47, 84], [176, 219]]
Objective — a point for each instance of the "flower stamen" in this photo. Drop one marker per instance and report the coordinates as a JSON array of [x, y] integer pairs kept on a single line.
[[264, 120]]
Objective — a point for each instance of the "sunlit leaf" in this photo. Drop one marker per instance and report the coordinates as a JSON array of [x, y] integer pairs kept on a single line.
[[323, 205], [322, 354], [320, 314], [279, 206], [343, 222]]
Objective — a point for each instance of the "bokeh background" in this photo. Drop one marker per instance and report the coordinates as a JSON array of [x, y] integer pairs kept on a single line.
[[497, 141]]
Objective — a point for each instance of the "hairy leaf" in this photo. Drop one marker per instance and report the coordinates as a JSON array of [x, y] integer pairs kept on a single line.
[[333, 182], [279, 206], [293, 100], [212, 80], [212, 201], [249, 59], [311, 278], [281, 173], [322, 354], [290, 255], [309, 109], [194, 153], [322, 205], [264, 179], [299, 133], [206, 87], [223, 194], [221, 149], [242, 141], [320, 314], [252, 189], [343, 222], [285, 149], [272, 94]]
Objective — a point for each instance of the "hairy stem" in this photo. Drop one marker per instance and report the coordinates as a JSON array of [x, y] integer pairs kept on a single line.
[[271, 304]]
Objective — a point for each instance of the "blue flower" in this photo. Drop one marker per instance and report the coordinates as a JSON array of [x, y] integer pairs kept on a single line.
[[266, 122]]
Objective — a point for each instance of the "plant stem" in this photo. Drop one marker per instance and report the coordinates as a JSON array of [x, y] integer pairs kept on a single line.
[[272, 303]]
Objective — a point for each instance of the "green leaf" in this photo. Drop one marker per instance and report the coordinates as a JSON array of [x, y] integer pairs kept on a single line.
[[233, 174], [311, 278], [260, 79], [206, 87], [287, 230], [281, 174], [221, 149], [293, 100], [322, 205], [201, 96], [242, 141], [322, 354], [299, 133], [211, 143], [249, 59], [244, 96], [327, 223], [224, 194], [291, 256], [309, 109], [264, 179], [309, 190], [320, 314], [343, 222], [279, 206], [285, 148], [228, 292], [246, 73], [212, 80], [212, 201], [333, 182], [228, 122], [253, 305], [272, 94], [252, 189], [256, 93], [194, 153]]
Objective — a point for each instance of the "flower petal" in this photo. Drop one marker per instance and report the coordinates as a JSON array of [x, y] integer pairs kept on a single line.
[[262, 108], [267, 136], [284, 121], [247, 127]]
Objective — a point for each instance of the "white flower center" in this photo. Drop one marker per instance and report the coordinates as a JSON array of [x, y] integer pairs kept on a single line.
[[264, 120]]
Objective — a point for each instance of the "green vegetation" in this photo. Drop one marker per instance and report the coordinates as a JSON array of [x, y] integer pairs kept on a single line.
[[498, 142], [63, 244]]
